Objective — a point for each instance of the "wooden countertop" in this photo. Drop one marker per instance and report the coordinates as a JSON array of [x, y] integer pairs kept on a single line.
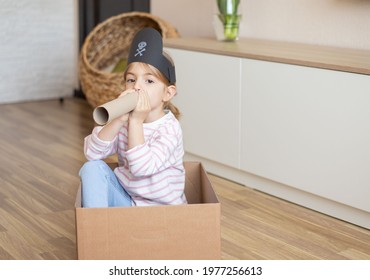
[[341, 59]]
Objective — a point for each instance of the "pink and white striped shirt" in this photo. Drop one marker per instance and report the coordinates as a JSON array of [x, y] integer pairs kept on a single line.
[[152, 173]]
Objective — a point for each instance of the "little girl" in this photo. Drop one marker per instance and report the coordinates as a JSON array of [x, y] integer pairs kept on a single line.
[[148, 140]]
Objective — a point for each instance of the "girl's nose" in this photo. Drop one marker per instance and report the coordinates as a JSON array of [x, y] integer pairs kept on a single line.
[[137, 85]]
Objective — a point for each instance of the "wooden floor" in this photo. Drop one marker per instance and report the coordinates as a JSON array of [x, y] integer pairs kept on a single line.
[[41, 153]]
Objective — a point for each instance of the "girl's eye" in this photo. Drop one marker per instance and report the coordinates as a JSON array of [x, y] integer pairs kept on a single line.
[[149, 81], [130, 81]]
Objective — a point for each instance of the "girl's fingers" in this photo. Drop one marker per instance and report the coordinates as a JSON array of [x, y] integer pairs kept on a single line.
[[144, 102]]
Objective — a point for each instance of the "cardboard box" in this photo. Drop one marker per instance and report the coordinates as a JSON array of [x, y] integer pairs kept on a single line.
[[189, 231]]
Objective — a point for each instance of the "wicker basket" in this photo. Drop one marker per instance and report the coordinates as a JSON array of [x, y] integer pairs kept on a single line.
[[106, 44]]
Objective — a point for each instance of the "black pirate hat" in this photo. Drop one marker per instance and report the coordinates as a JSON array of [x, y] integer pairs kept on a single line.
[[147, 47]]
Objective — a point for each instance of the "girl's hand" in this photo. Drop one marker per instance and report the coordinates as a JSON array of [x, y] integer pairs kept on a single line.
[[142, 109]]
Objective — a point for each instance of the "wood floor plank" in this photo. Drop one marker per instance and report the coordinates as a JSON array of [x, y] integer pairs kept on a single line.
[[277, 225], [41, 154]]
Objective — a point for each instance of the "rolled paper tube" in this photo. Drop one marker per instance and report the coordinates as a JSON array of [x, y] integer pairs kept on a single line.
[[115, 108]]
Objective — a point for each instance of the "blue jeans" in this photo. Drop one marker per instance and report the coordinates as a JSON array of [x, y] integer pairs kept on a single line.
[[100, 186]]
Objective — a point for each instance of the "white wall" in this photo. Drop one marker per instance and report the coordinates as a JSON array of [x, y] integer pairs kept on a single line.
[[342, 23], [38, 49]]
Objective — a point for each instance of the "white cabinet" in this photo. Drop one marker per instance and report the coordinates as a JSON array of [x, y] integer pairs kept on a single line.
[[301, 133], [209, 100], [308, 128]]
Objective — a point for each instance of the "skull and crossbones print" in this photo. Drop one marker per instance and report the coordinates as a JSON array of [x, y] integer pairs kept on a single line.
[[141, 48]]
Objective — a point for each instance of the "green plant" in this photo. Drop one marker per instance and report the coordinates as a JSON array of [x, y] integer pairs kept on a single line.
[[229, 17]]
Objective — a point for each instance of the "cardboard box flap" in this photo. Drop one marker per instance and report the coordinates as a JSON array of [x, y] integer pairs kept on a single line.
[[78, 202], [208, 193], [192, 182], [196, 176]]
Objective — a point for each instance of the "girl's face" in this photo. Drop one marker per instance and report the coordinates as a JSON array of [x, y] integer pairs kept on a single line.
[[140, 76]]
